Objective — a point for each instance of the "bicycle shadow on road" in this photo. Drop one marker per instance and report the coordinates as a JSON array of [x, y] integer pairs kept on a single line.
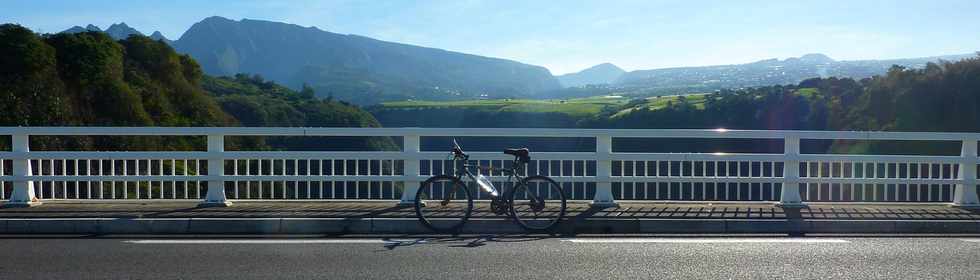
[[460, 242]]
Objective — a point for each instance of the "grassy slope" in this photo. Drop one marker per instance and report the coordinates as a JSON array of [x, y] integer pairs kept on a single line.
[[660, 102]]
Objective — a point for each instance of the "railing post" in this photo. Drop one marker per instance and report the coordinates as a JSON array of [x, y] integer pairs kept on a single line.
[[410, 152], [216, 171], [603, 171], [23, 192], [966, 193], [791, 174]]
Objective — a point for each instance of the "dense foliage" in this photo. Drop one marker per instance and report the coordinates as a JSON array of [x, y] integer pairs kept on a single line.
[[254, 101], [90, 79]]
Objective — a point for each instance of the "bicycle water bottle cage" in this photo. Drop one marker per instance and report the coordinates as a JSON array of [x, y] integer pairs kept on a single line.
[[522, 154]]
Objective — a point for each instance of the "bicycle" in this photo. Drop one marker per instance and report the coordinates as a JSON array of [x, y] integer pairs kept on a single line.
[[444, 203]]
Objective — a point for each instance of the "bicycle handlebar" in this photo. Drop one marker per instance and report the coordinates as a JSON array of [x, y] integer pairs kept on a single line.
[[459, 154]]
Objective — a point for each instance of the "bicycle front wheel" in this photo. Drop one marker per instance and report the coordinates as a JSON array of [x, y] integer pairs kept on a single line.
[[537, 203], [443, 203]]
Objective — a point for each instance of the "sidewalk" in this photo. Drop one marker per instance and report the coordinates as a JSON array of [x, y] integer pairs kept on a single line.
[[164, 217]]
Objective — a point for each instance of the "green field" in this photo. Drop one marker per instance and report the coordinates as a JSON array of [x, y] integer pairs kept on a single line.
[[578, 107], [574, 107], [660, 102]]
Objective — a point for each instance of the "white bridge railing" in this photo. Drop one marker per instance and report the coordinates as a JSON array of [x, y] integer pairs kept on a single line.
[[603, 176]]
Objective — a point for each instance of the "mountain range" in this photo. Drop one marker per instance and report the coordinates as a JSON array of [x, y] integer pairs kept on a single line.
[[118, 31], [760, 73], [365, 71]]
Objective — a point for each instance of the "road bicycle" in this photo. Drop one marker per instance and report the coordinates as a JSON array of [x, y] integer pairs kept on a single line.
[[444, 203]]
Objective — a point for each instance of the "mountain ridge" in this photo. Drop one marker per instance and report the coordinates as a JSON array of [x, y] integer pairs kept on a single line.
[[603, 73], [351, 67], [118, 31], [768, 72]]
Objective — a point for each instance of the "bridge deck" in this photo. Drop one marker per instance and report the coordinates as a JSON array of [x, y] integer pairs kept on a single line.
[[644, 210]]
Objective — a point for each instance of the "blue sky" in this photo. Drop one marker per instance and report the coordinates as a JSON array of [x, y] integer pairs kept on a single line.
[[570, 35]]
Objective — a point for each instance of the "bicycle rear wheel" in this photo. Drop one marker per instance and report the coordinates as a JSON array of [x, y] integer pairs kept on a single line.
[[443, 203], [537, 203]]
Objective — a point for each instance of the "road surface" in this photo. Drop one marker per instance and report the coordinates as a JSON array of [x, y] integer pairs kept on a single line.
[[500, 257]]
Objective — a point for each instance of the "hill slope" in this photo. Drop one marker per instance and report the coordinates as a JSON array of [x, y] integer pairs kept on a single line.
[[600, 74], [354, 68]]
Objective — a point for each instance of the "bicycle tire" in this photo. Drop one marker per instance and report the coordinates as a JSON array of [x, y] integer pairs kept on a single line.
[[438, 213], [520, 202]]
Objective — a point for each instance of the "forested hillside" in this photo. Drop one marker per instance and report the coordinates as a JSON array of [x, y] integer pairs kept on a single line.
[[940, 97], [254, 101], [90, 79]]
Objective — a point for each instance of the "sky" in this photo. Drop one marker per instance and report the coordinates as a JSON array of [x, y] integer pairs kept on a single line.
[[570, 35]]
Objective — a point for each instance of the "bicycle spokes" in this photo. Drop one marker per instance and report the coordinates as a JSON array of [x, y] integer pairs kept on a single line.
[[443, 203], [538, 203]]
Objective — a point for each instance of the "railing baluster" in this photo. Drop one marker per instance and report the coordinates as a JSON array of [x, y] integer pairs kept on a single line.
[[295, 183], [965, 194], [197, 183], [309, 170], [3, 184], [185, 182], [704, 186], [738, 188], [125, 173], [112, 183], [54, 194], [38, 184], [88, 172], [235, 173], [908, 187], [77, 194], [260, 182], [173, 182], [410, 154], [670, 171], [248, 184], [791, 173], [603, 193], [283, 182], [216, 171], [23, 194]]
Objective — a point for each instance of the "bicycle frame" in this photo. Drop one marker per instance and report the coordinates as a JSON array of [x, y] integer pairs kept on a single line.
[[512, 173]]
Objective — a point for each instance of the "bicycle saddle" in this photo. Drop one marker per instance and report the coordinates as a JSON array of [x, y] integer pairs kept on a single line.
[[523, 153]]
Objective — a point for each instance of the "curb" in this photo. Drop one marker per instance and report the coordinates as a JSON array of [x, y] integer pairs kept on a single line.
[[484, 226]]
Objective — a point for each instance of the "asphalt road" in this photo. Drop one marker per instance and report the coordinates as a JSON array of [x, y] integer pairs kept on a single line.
[[491, 258]]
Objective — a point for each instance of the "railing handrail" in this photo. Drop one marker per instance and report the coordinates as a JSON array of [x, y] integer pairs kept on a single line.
[[484, 132]]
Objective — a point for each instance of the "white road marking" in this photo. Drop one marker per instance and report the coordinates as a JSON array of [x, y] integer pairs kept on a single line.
[[971, 240], [705, 240], [270, 241]]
